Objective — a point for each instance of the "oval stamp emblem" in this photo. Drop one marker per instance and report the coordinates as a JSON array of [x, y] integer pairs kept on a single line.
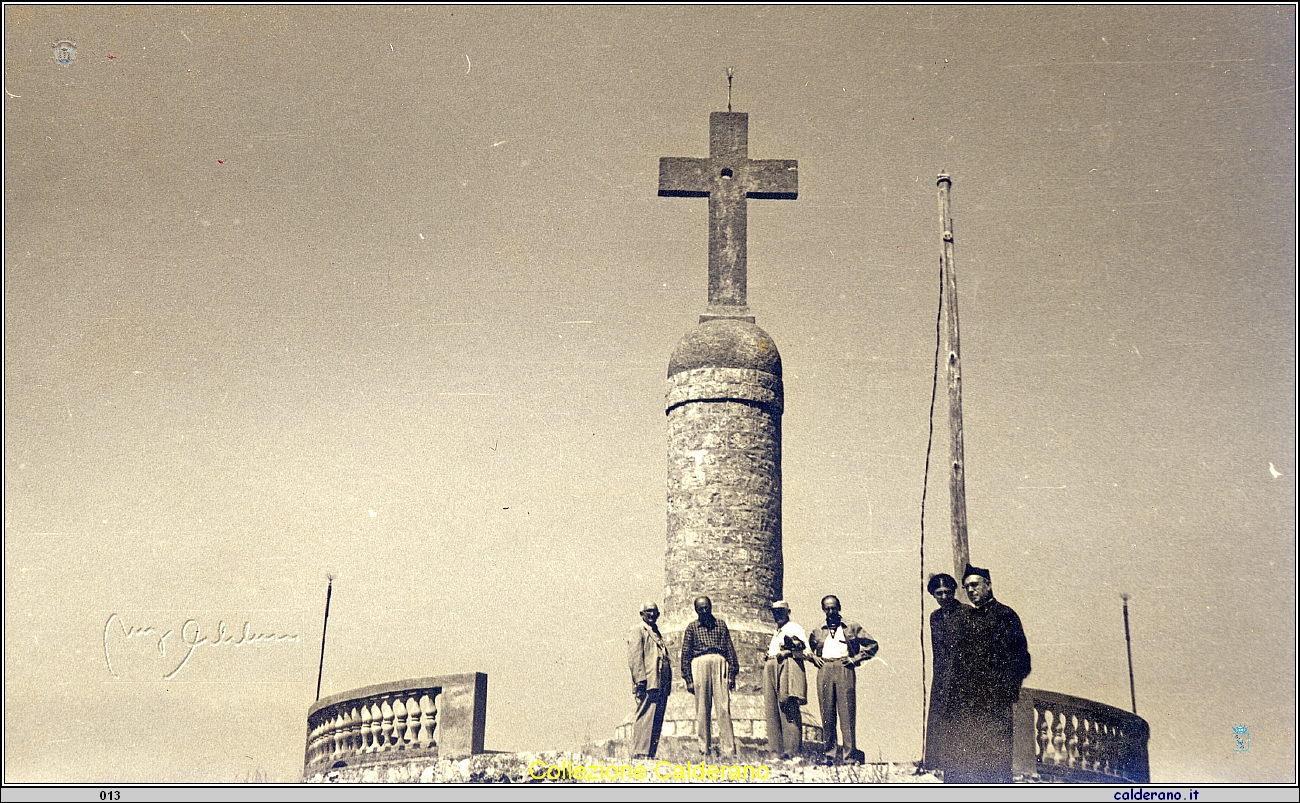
[[65, 51]]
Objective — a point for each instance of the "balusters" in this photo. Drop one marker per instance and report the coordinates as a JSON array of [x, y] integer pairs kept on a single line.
[[1082, 740], [324, 743], [1051, 749], [1071, 740], [402, 725], [321, 741], [412, 722], [1038, 741], [428, 719], [313, 737], [392, 721], [342, 734], [399, 722], [352, 742], [386, 725], [332, 732], [1047, 751], [1058, 737], [1088, 746], [1118, 751], [367, 730], [338, 725]]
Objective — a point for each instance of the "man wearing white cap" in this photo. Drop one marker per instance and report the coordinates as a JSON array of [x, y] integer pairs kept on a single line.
[[652, 681], [785, 684]]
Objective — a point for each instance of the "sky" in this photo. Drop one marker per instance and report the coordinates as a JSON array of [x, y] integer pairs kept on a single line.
[[387, 295]]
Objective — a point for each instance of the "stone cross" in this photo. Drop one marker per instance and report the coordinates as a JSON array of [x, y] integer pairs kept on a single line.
[[728, 177]]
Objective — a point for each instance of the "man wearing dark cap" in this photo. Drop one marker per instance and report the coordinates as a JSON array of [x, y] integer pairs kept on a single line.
[[992, 661], [652, 681], [837, 648], [944, 626]]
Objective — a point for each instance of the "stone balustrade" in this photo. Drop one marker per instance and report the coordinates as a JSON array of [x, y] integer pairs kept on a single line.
[[1069, 739], [434, 716]]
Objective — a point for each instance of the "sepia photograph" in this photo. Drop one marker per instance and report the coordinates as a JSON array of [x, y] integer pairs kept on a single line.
[[390, 398]]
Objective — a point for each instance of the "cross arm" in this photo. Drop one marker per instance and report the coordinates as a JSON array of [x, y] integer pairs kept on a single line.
[[770, 178], [684, 177]]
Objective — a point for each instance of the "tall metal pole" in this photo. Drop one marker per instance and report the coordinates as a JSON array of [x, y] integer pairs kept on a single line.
[[1128, 642], [957, 480], [329, 590]]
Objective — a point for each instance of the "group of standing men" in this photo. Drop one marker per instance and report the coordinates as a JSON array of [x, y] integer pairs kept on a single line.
[[709, 666], [980, 659]]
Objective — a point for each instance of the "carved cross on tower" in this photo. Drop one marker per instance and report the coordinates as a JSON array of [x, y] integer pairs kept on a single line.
[[729, 178]]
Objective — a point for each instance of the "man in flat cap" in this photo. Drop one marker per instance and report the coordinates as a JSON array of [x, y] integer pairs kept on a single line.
[[992, 661], [945, 623], [785, 683], [652, 681], [837, 648]]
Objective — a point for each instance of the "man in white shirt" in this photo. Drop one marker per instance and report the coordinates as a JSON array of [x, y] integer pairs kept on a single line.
[[837, 649], [785, 684]]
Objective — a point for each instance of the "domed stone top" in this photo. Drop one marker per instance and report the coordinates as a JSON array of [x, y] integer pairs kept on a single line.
[[726, 343]]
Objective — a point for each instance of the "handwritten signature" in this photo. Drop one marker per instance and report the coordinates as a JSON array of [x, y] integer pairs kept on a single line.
[[191, 638]]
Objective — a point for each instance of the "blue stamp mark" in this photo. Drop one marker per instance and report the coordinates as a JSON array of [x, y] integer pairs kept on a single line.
[[65, 52], [1241, 738]]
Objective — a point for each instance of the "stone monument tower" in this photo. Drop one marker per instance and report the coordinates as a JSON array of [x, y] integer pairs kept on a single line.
[[724, 404]]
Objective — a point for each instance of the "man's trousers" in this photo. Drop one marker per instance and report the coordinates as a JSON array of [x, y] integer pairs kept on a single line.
[[837, 692], [649, 723], [784, 719], [713, 701]]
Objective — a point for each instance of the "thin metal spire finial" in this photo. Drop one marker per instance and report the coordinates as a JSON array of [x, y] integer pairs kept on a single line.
[[320, 672], [1128, 644], [731, 71]]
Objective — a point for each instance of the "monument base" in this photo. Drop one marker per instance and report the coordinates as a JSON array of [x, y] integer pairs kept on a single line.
[[679, 739]]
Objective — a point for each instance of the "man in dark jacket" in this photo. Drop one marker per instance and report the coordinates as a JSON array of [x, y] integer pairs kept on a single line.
[[992, 661], [945, 623]]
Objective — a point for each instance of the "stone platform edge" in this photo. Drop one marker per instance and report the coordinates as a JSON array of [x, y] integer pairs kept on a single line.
[[574, 767]]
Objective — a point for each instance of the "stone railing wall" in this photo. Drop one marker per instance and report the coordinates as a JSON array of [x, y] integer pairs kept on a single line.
[[1062, 738], [435, 716]]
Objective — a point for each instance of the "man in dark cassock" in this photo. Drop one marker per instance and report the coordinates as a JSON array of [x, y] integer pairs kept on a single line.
[[945, 623], [991, 662]]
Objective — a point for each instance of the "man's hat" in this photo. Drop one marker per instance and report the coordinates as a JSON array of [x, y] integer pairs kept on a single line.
[[780, 605], [649, 606], [937, 580], [976, 570]]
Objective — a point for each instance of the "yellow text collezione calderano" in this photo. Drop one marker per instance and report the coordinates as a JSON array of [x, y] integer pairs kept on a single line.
[[661, 772]]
